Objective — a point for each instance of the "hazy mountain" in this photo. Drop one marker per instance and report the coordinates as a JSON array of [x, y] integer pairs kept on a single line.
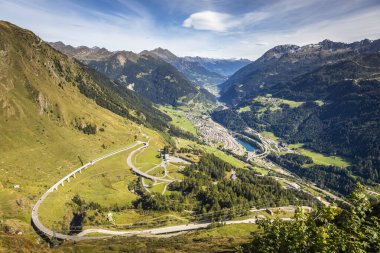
[[283, 63], [82, 52], [207, 72], [145, 74], [193, 70], [224, 67]]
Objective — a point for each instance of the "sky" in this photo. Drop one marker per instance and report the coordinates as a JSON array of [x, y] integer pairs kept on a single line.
[[208, 28]]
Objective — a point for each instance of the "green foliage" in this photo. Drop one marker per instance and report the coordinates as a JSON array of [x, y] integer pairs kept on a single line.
[[340, 110], [213, 196], [332, 177], [298, 159], [178, 132], [120, 100], [325, 230], [229, 119]]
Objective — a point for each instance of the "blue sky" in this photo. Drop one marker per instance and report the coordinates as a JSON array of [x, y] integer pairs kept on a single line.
[[211, 28]]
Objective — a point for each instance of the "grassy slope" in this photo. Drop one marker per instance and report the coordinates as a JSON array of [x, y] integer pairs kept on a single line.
[[146, 159], [322, 159], [319, 158], [106, 183], [269, 135], [178, 119], [40, 112], [244, 109], [180, 244]]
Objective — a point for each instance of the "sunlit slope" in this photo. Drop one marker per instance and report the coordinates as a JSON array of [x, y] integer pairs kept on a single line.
[[48, 126]]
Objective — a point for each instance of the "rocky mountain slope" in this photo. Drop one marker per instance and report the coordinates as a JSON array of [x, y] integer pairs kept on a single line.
[[143, 73], [283, 63]]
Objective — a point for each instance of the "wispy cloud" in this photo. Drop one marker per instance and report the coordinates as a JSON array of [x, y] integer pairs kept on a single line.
[[214, 28]]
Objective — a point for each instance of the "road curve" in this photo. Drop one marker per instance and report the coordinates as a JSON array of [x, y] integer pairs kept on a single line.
[[35, 219], [143, 174]]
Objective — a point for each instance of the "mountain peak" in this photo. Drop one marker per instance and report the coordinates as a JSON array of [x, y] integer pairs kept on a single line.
[[278, 51], [163, 53], [329, 44]]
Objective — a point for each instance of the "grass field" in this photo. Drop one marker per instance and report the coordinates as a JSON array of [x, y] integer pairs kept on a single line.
[[175, 171], [295, 146], [157, 172], [322, 159], [244, 109], [158, 188], [269, 135], [292, 104], [179, 119], [319, 158], [147, 158], [319, 102], [273, 104], [230, 231], [261, 170], [105, 182]]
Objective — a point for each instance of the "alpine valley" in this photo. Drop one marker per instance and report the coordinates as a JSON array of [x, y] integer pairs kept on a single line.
[[118, 151]]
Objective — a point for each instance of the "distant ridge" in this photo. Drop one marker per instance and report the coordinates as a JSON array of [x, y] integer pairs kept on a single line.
[[282, 63], [144, 73]]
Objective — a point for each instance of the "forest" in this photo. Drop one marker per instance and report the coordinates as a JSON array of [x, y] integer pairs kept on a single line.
[[211, 192], [339, 114], [335, 178]]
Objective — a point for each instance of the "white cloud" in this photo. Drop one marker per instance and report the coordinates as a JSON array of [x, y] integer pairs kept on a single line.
[[222, 22], [210, 20]]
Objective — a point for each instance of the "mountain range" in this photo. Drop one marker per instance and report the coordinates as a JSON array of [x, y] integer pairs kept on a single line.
[[324, 96], [285, 62], [63, 107], [143, 73], [206, 72]]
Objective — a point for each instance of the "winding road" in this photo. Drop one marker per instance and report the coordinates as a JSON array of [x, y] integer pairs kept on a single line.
[[138, 171], [35, 219], [110, 233], [164, 231]]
